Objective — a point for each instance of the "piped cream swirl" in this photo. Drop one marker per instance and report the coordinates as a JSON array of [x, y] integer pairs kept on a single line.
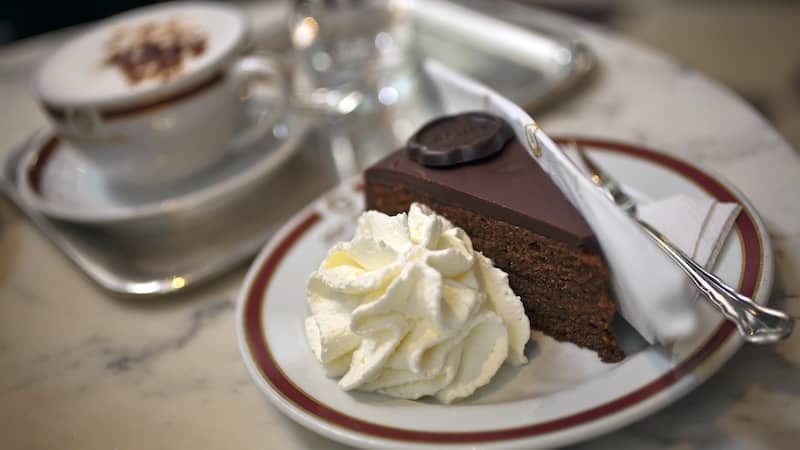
[[408, 308]]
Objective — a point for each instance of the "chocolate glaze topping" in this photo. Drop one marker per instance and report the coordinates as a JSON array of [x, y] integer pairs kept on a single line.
[[508, 185]]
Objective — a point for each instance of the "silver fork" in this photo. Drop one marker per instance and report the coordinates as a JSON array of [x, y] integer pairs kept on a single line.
[[755, 323]]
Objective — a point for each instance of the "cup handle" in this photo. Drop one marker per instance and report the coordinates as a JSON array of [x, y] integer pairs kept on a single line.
[[244, 74]]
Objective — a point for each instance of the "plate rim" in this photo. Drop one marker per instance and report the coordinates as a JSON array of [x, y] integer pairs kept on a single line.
[[46, 141], [704, 360]]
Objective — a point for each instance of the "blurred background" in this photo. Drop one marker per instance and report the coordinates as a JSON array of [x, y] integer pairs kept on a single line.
[[749, 45]]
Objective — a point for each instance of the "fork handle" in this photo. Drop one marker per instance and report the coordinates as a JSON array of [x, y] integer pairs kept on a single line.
[[756, 323]]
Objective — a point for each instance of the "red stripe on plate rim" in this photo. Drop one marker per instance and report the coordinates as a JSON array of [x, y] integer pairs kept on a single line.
[[256, 340]]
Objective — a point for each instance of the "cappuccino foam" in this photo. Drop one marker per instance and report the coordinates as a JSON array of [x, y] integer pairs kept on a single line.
[[87, 71]]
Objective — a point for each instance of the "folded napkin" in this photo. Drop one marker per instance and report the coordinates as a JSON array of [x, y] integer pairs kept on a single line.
[[697, 225], [651, 291]]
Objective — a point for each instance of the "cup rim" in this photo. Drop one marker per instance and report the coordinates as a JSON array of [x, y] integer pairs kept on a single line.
[[175, 89]]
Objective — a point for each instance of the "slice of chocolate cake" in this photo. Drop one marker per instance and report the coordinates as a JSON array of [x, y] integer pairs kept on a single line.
[[470, 169]]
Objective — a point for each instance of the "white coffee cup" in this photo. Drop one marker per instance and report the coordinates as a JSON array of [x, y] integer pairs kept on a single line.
[[150, 131]]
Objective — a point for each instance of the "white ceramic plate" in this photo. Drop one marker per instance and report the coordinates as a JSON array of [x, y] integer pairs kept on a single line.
[[562, 396], [53, 179]]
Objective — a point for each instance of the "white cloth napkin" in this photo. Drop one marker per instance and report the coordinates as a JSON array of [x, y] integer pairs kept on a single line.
[[651, 291]]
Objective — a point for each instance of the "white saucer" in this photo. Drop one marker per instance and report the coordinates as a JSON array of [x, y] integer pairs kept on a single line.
[[53, 179]]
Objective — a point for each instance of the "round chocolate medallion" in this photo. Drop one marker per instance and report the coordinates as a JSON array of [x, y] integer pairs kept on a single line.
[[451, 140]]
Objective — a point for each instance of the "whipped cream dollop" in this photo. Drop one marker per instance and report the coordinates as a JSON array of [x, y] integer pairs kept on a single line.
[[407, 308]]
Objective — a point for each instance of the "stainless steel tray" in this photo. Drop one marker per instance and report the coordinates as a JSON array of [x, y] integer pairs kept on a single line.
[[513, 48], [532, 66]]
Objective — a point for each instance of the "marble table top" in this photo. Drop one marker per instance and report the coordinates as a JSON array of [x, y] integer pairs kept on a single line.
[[81, 369]]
